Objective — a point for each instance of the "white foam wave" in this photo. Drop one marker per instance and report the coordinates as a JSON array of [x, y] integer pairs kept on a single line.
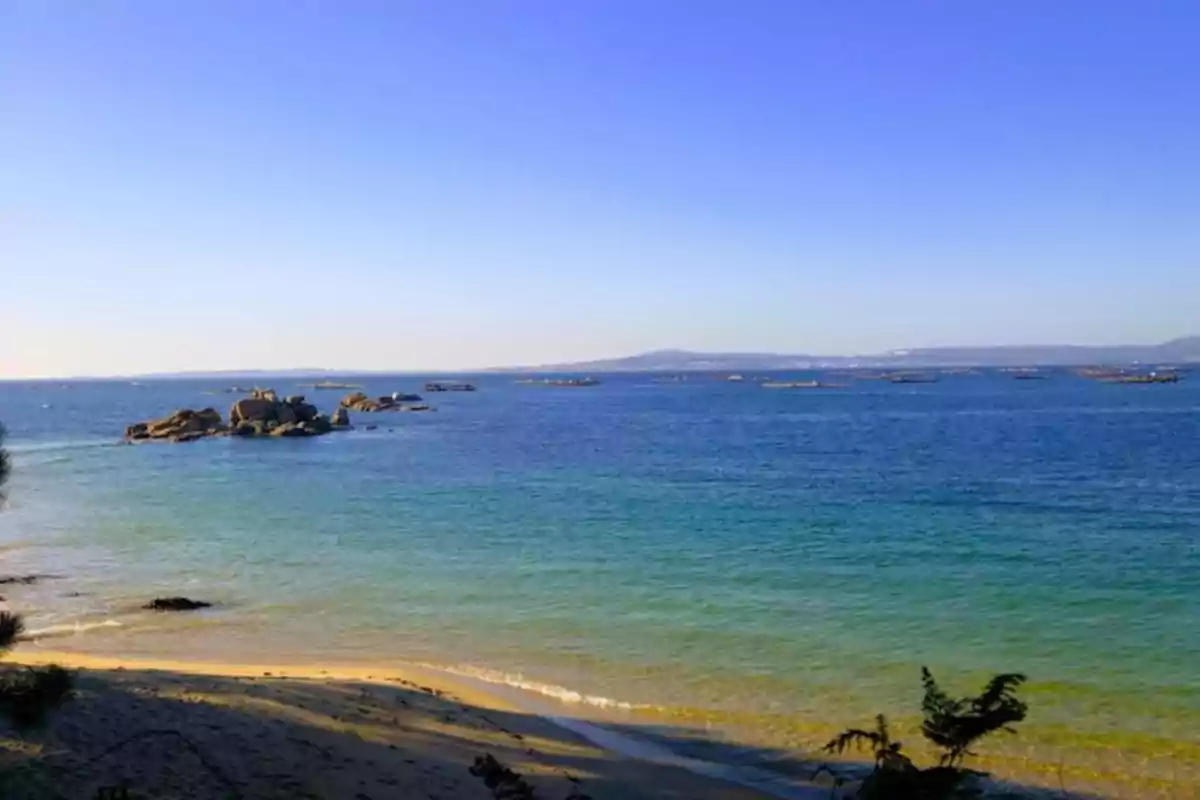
[[519, 681], [34, 461], [67, 629], [768, 783], [18, 448]]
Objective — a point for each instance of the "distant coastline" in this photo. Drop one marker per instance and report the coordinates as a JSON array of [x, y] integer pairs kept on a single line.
[[1176, 352], [1184, 350]]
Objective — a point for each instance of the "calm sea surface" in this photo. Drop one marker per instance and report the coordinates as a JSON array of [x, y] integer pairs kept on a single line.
[[760, 566]]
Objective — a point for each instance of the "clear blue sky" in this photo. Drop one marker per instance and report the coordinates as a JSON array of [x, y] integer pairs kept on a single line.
[[201, 184]]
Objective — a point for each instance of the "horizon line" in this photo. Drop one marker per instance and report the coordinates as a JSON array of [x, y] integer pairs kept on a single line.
[[310, 371]]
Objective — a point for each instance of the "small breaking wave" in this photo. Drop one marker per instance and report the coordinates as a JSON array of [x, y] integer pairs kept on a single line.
[[769, 783], [519, 681], [67, 629], [39, 454], [19, 448]]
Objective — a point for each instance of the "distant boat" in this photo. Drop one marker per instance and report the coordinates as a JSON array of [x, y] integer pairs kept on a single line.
[[566, 382], [800, 385], [735, 378], [1029, 376], [911, 378], [1153, 377], [1100, 373], [449, 386], [331, 385]]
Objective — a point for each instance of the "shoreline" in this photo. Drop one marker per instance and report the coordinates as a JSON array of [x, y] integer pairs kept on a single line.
[[658, 743], [1044, 764], [626, 767]]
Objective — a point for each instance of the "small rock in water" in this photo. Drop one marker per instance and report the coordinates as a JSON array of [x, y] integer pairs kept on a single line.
[[24, 580], [175, 604]]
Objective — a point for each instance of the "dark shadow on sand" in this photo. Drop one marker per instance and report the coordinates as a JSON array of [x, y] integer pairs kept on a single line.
[[312, 738]]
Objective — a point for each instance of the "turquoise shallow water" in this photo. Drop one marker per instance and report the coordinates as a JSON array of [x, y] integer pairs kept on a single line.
[[760, 565]]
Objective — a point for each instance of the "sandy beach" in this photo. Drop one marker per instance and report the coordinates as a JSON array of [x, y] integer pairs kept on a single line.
[[175, 730]]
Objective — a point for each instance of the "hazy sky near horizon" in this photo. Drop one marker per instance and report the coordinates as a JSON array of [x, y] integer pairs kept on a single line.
[[208, 184]]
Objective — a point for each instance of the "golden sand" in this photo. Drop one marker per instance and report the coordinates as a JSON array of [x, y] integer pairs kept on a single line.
[[169, 729]]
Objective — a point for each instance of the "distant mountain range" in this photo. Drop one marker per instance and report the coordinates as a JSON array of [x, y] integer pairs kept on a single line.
[[1176, 351]]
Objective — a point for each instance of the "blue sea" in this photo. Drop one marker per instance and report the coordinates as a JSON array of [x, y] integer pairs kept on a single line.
[[751, 569]]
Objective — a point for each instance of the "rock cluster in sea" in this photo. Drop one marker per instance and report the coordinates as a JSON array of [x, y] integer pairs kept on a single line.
[[260, 414], [185, 425], [359, 401]]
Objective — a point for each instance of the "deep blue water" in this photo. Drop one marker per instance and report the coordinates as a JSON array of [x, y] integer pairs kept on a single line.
[[771, 563]]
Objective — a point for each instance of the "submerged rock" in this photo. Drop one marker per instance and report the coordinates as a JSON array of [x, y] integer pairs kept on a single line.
[[358, 401], [25, 580], [175, 604]]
